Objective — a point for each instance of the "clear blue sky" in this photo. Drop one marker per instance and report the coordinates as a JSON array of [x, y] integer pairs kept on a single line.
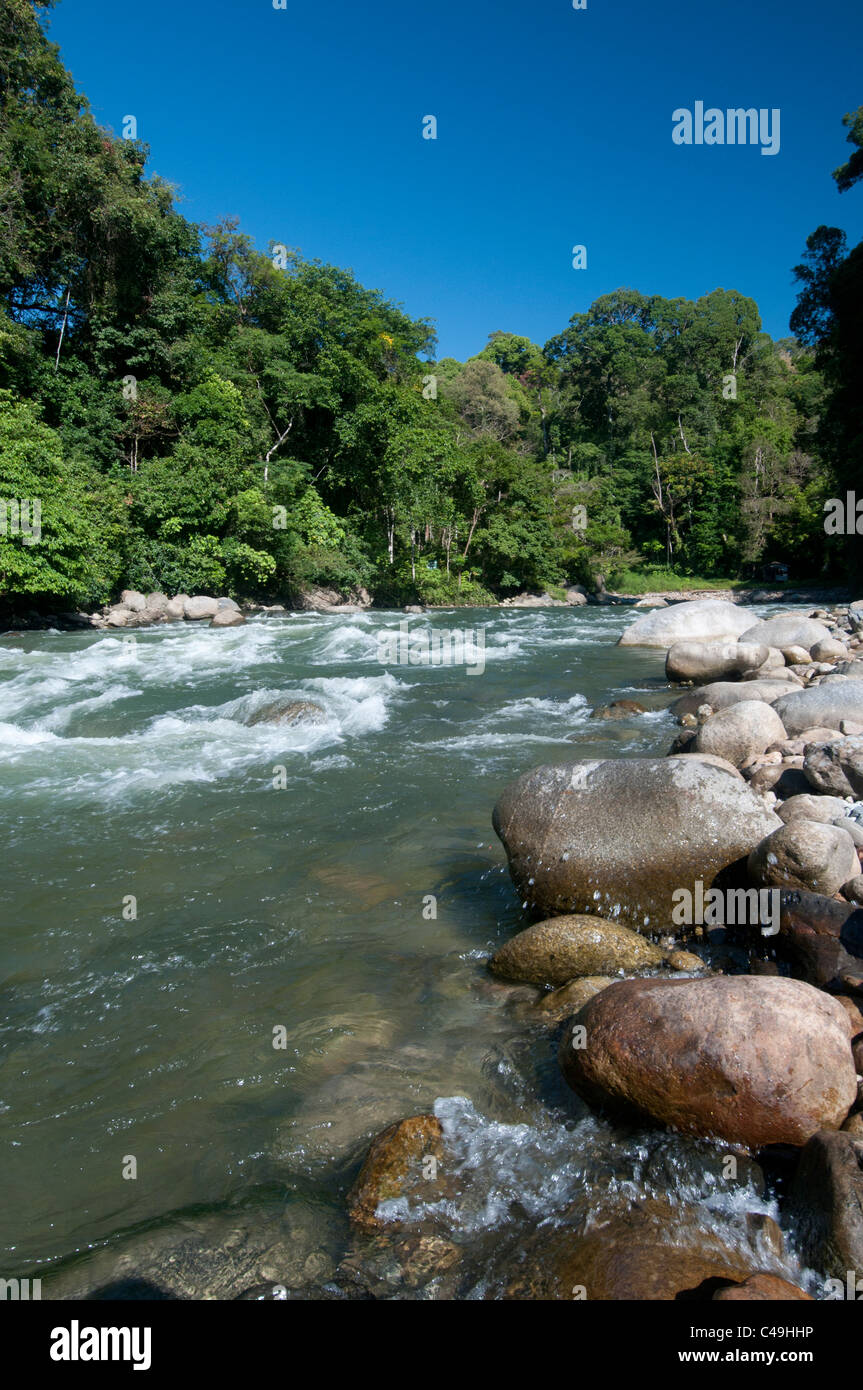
[[554, 128]]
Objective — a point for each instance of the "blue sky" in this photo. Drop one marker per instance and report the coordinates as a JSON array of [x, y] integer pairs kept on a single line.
[[554, 129]]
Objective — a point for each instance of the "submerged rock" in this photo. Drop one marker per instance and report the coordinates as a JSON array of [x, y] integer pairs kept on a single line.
[[396, 1163], [620, 837], [556, 951], [654, 1251], [292, 712], [619, 709], [754, 1060], [568, 999]]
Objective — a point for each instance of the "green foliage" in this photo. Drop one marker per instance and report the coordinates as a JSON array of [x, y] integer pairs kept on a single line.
[[198, 414]]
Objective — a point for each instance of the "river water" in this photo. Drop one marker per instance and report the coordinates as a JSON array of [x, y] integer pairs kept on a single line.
[[166, 907]]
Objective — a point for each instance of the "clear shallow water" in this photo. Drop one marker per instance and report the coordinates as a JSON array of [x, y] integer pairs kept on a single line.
[[132, 771]]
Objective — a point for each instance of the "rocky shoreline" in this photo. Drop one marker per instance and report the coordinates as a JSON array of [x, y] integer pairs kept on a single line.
[[743, 1030], [135, 609]]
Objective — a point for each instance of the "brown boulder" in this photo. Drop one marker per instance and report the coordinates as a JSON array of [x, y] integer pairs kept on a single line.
[[394, 1165], [754, 1060], [651, 1252]]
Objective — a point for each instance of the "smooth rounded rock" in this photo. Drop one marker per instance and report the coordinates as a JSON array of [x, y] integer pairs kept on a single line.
[[620, 836], [710, 661], [695, 620], [824, 706], [753, 1060], [804, 854], [740, 732], [787, 630], [200, 607], [556, 951]]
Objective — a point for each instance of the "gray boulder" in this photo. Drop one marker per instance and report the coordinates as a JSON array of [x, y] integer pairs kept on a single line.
[[739, 732], [787, 630], [618, 837], [131, 599], [228, 617], [710, 661], [835, 767], [824, 706], [721, 694], [200, 607], [698, 620], [805, 854]]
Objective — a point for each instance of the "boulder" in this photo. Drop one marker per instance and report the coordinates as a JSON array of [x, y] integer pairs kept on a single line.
[[804, 854], [753, 1060], [620, 836], [835, 767], [827, 1203], [177, 606], [618, 709], [118, 616], [774, 673], [553, 952], [740, 731], [568, 999], [228, 617], [289, 712], [394, 1165], [720, 694], [822, 705], [829, 649], [787, 630], [576, 597], [157, 603], [826, 809], [654, 1251], [698, 620], [131, 599], [228, 603], [710, 661], [200, 607], [796, 656], [853, 891]]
